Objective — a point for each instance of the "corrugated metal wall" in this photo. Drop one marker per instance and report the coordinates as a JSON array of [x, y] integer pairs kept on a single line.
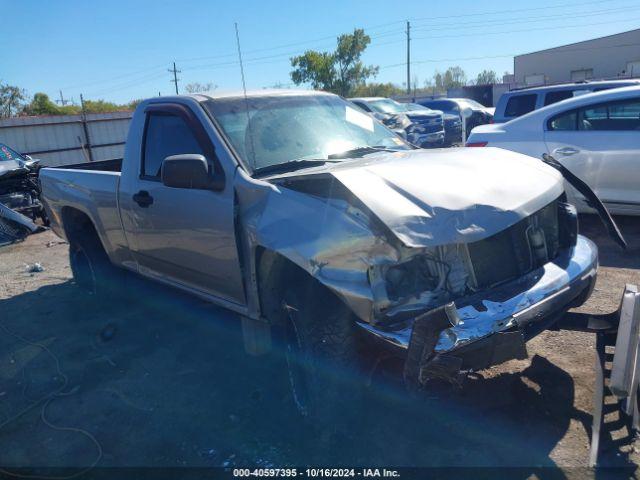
[[608, 57], [61, 140]]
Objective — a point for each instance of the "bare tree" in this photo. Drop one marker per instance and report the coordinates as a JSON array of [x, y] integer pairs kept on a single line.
[[12, 100], [197, 87]]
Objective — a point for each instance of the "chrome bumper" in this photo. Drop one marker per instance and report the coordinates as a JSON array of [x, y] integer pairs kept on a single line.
[[528, 304]]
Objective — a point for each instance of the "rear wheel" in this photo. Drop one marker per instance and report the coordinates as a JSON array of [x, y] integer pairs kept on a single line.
[[92, 271]]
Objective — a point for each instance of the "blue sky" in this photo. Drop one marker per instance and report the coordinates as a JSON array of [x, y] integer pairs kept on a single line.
[[119, 50]]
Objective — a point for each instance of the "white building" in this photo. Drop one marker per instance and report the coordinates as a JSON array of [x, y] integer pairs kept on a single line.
[[613, 56]]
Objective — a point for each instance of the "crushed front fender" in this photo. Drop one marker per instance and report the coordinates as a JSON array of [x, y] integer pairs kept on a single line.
[[479, 330]]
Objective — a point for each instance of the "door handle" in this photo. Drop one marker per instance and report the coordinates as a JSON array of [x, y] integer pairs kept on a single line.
[[566, 151], [143, 198]]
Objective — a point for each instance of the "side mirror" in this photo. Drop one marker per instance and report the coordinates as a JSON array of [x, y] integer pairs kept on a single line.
[[186, 171]]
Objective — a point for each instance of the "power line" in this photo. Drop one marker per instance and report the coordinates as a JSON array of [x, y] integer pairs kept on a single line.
[[107, 80], [457, 59], [384, 34], [393, 32], [416, 20], [519, 10], [145, 72], [505, 55], [476, 34], [151, 73], [259, 60], [501, 22], [115, 88]]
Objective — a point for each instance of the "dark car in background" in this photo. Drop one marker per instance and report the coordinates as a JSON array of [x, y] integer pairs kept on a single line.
[[453, 106], [423, 128], [518, 102], [452, 124]]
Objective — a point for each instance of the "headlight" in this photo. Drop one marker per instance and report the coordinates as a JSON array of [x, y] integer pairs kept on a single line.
[[410, 278], [397, 121], [403, 121]]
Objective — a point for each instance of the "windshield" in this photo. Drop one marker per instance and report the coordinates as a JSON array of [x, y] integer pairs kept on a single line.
[[7, 153], [273, 130], [387, 106], [416, 106], [472, 103]]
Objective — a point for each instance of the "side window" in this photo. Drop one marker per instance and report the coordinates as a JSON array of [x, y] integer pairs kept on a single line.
[[557, 96], [564, 121], [614, 116], [520, 104], [166, 135], [445, 106]]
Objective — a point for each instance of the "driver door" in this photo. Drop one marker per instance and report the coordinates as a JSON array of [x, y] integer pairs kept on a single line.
[[181, 235]]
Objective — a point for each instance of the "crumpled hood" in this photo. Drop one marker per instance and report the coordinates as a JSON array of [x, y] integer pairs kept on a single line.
[[461, 195], [421, 115]]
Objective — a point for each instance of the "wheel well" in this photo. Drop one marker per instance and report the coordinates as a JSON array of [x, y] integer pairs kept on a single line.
[[76, 222], [274, 273]]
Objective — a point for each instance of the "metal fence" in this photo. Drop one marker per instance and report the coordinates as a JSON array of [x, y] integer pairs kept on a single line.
[[67, 139]]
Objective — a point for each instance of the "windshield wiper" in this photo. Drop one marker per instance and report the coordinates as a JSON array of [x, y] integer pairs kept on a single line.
[[361, 152], [290, 166]]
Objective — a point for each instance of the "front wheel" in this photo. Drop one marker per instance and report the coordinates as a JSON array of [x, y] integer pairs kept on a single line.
[[319, 340]]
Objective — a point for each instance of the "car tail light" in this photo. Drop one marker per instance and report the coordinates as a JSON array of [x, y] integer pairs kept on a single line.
[[476, 144]]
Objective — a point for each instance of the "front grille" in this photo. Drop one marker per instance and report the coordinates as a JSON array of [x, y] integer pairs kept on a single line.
[[519, 249], [425, 128]]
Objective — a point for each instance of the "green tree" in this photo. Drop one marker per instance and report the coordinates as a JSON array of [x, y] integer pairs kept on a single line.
[[11, 100], [340, 71], [133, 104], [486, 77], [41, 105], [102, 106], [376, 90], [197, 87]]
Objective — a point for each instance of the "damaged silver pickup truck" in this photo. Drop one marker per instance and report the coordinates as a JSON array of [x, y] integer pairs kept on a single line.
[[298, 211]]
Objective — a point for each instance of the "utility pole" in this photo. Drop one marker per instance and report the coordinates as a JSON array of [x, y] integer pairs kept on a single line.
[[85, 128], [62, 101], [408, 58], [175, 76]]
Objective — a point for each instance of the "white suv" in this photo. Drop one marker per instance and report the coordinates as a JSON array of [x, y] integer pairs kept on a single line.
[[596, 136], [516, 103]]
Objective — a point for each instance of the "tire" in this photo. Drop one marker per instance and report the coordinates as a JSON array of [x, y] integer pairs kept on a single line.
[[320, 345], [92, 270]]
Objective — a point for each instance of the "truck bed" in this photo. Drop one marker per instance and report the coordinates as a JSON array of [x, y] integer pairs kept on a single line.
[[89, 188], [113, 165]]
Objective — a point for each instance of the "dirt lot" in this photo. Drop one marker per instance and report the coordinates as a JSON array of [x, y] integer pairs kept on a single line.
[[164, 381]]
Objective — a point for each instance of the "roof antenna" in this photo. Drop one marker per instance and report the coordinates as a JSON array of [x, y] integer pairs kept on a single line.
[[246, 101]]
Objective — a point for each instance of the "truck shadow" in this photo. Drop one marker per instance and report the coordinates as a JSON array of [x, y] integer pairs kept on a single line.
[[609, 253], [164, 381]]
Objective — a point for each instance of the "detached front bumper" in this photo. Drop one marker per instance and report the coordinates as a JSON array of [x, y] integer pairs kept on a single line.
[[493, 326]]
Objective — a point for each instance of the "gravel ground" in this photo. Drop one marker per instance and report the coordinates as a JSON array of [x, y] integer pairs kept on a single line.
[[164, 381]]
